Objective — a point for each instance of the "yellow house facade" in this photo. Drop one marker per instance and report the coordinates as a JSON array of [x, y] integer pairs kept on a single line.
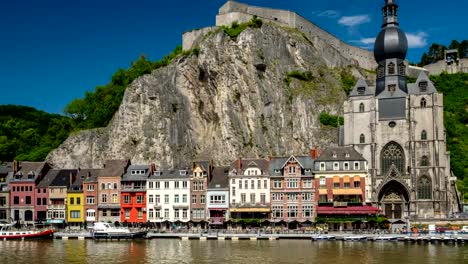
[[75, 208]]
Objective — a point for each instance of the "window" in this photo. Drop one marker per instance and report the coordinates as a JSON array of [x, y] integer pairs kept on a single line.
[[109, 186], [150, 199], [233, 191], [277, 211], [140, 214], [380, 72], [126, 199], [423, 102], [103, 186], [246, 184], [176, 213], [166, 198], [265, 184], [424, 135], [184, 184], [361, 108], [38, 201], [184, 198], [202, 199], [103, 198], [336, 185], [292, 196], [392, 88], [240, 184], [292, 211], [176, 185], [277, 196], [28, 199], [157, 185], [392, 154], [322, 166], [78, 200], [292, 169], [217, 199], [115, 198], [90, 214], [90, 187], [115, 186], [139, 199], [336, 166], [157, 199], [151, 214], [323, 181], [184, 214], [166, 185], [166, 213], [252, 184], [323, 198], [44, 201], [75, 214], [362, 139], [424, 161], [307, 183], [307, 210], [262, 198], [150, 185], [277, 184], [252, 198], [259, 184], [357, 184], [307, 196], [391, 68], [346, 185], [356, 165], [424, 188], [194, 199], [176, 198], [422, 86], [242, 197], [292, 183], [346, 165]]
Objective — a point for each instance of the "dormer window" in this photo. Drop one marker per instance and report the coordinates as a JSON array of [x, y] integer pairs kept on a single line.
[[183, 172], [322, 166], [336, 166], [402, 69], [334, 154], [391, 68], [347, 155], [307, 170], [157, 173], [422, 86], [361, 90], [18, 175], [277, 171], [31, 175]]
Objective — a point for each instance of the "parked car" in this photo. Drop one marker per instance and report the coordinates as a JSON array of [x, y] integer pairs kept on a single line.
[[464, 230]]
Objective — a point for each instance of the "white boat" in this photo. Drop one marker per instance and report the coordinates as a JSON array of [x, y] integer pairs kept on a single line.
[[324, 237], [103, 230], [354, 238], [385, 238]]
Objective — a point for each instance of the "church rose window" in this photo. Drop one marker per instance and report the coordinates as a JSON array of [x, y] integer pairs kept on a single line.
[[392, 154], [424, 188]]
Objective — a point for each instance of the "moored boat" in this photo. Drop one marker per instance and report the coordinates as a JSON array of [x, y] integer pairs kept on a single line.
[[6, 234], [354, 238], [102, 230]]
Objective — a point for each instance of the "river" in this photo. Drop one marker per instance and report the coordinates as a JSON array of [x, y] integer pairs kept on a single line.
[[214, 251]]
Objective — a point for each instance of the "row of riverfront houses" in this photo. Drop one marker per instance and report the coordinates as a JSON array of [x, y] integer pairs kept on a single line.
[[328, 184]]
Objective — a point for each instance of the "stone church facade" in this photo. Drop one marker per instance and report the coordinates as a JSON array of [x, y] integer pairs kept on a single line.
[[399, 129]]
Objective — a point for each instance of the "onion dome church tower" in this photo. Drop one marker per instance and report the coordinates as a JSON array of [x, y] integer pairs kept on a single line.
[[399, 130]]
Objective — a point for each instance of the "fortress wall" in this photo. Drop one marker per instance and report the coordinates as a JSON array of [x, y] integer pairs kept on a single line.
[[232, 11], [191, 39]]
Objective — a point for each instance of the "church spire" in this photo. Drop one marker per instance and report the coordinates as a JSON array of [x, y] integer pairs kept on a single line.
[[390, 13]]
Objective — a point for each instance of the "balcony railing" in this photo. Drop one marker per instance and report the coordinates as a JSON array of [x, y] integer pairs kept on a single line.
[[340, 204], [55, 207], [133, 189]]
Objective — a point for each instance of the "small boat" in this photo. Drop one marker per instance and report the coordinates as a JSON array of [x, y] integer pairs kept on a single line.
[[324, 237], [385, 238], [354, 238], [102, 230], [7, 234]]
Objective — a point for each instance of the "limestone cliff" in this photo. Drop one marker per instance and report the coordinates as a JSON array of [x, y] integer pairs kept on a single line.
[[231, 100]]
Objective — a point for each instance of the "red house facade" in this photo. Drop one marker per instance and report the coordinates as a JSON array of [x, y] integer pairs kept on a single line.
[[133, 194]]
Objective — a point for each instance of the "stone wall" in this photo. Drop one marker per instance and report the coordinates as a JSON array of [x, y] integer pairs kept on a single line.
[[441, 66], [190, 39]]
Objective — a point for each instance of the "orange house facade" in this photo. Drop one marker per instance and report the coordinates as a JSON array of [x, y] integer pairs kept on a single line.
[[133, 194]]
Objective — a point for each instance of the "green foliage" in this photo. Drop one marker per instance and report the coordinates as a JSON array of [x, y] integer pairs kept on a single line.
[[235, 29], [302, 76], [410, 79], [331, 120], [348, 81], [436, 52], [97, 108], [29, 134]]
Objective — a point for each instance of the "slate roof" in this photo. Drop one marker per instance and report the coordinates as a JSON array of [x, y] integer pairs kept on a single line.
[[205, 165], [369, 90], [90, 175], [6, 168], [58, 178], [220, 178], [277, 163], [114, 168], [413, 88], [170, 174], [139, 177], [242, 164], [25, 167], [340, 152]]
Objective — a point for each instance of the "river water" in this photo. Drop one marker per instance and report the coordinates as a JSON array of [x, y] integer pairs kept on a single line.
[[214, 251]]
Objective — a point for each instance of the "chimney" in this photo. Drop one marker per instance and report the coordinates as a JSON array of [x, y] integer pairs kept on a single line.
[[89, 174], [238, 165], [15, 166], [152, 168], [315, 153]]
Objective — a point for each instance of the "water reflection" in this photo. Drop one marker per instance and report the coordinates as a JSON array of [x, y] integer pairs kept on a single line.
[[212, 251]]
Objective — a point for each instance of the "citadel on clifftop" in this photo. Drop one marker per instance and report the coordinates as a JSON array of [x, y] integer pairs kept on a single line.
[[391, 160]]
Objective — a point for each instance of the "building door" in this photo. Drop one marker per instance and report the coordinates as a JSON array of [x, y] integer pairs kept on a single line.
[[16, 215]]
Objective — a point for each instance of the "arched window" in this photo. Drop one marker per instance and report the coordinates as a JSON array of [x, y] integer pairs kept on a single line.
[[423, 102], [362, 139], [392, 154], [391, 68], [361, 107], [424, 135], [424, 188], [402, 69], [424, 161]]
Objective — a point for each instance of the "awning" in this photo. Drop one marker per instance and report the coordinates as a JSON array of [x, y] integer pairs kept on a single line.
[[348, 210], [323, 191], [336, 179], [357, 178], [249, 210], [346, 179], [55, 221], [347, 192]]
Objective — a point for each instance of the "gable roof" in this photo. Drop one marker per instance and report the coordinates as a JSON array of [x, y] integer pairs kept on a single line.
[[278, 163], [353, 155], [58, 178], [128, 176], [89, 175], [169, 174], [413, 88], [242, 164], [114, 168], [362, 83], [27, 167], [220, 178]]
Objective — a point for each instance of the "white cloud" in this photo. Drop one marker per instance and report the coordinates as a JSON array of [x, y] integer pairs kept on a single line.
[[352, 21], [329, 14], [417, 40], [367, 41]]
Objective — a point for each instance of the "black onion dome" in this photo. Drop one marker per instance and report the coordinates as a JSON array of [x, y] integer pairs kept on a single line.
[[391, 43]]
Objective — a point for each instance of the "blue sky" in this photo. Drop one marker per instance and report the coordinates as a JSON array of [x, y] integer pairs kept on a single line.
[[53, 51]]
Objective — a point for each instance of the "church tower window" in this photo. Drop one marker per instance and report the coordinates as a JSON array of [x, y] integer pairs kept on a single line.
[[361, 90], [423, 102], [392, 155], [402, 69], [422, 86], [362, 139], [361, 108], [380, 72], [391, 68], [424, 188], [424, 161], [424, 135]]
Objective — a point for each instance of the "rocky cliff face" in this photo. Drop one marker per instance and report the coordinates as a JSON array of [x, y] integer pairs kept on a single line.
[[232, 100]]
